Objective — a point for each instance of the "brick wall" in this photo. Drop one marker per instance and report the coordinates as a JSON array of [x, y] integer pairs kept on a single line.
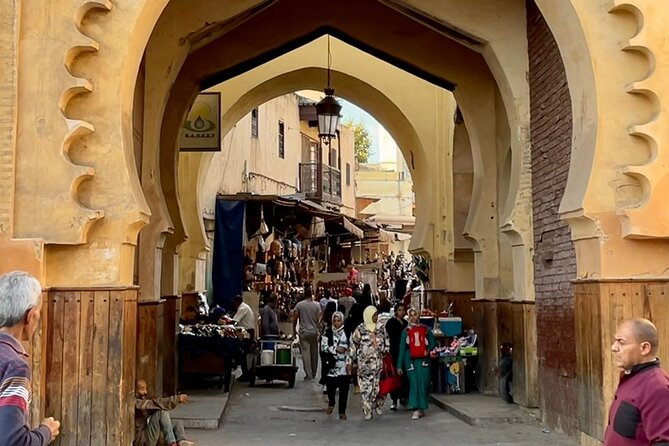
[[7, 108], [555, 259]]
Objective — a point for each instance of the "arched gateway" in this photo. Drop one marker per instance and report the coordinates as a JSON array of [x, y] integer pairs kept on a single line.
[[569, 241]]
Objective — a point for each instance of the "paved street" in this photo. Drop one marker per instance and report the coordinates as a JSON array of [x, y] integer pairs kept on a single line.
[[275, 415]]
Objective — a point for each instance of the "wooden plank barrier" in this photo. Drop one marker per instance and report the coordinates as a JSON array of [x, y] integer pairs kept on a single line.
[[525, 362], [90, 364], [150, 335], [171, 317], [600, 306]]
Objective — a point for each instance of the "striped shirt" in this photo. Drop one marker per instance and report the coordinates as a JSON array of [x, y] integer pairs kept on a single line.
[[15, 396]]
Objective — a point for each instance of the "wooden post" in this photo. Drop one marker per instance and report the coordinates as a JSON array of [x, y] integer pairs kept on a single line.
[[525, 363], [172, 312], [150, 346], [486, 327]]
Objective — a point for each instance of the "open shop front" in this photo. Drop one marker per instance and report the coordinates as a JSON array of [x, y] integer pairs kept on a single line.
[[286, 242], [268, 245], [451, 317]]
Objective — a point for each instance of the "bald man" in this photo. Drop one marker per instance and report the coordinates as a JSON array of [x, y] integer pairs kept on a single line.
[[639, 413]]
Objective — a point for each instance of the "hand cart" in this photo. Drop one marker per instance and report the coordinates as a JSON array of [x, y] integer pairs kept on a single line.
[[274, 361]]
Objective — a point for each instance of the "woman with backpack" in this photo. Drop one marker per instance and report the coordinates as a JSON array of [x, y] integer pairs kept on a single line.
[[414, 359], [335, 349]]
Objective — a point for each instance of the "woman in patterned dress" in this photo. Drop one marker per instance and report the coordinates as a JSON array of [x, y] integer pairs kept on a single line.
[[369, 344]]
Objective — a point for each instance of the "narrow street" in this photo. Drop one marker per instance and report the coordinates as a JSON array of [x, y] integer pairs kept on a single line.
[[272, 414]]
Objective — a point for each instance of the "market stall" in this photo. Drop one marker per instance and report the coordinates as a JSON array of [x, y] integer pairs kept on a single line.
[[455, 359], [209, 350]]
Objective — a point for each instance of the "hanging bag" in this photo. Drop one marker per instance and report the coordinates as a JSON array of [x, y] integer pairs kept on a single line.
[[389, 380]]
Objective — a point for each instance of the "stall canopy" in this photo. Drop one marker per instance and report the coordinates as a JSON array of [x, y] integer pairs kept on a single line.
[[294, 213]]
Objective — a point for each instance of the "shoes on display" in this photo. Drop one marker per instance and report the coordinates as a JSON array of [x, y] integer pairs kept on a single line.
[[416, 415]]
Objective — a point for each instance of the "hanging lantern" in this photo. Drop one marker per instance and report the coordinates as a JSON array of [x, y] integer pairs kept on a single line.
[[328, 109], [328, 115]]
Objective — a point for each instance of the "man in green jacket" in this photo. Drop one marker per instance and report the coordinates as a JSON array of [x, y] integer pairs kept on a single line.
[[152, 418]]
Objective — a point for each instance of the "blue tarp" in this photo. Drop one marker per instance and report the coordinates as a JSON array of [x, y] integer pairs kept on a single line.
[[228, 268]]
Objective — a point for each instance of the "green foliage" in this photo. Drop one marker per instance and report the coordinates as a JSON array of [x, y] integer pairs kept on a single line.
[[363, 142]]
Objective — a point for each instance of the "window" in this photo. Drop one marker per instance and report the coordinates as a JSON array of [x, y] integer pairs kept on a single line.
[[282, 150], [254, 123], [348, 174]]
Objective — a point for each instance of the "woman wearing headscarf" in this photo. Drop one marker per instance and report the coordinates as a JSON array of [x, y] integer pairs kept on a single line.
[[335, 344], [326, 322], [368, 345], [414, 360], [394, 328]]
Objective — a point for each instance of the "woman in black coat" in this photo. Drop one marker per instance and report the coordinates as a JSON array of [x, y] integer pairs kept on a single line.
[[394, 327]]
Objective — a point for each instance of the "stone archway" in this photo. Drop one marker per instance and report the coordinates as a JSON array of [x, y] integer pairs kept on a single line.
[[101, 254]]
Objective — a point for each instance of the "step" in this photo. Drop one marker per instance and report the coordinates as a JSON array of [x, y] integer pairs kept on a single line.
[[204, 409], [480, 410]]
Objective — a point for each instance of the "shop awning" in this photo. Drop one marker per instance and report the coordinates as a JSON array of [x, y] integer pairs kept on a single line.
[[324, 221], [353, 229]]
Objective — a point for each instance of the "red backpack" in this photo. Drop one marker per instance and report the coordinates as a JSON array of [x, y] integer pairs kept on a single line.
[[417, 336]]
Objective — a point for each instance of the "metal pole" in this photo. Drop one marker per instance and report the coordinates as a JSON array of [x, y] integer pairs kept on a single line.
[[319, 170]]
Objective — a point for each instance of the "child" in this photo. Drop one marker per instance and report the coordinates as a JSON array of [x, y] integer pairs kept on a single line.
[[152, 418]]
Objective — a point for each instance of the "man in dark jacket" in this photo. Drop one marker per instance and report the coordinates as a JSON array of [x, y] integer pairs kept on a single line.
[[152, 418], [639, 413], [269, 321], [20, 307]]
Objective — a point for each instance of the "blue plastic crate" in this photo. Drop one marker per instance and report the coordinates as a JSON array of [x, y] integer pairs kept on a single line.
[[451, 326]]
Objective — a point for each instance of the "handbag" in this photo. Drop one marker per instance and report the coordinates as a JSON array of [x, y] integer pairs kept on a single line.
[[389, 380]]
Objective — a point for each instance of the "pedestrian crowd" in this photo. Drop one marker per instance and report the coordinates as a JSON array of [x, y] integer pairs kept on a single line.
[[363, 340], [384, 354]]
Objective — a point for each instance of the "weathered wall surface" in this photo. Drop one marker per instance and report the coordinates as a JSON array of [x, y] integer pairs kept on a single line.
[[554, 259], [8, 27]]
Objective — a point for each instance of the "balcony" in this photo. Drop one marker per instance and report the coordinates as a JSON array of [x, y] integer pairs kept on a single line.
[[331, 178]]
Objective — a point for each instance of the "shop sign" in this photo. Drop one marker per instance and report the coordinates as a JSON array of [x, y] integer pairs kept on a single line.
[[202, 130]]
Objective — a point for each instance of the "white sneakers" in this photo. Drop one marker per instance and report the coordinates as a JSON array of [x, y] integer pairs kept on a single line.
[[416, 415], [368, 416], [379, 411]]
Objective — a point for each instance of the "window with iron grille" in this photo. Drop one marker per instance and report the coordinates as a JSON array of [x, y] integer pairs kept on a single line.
[[282, 151], [254, 123]]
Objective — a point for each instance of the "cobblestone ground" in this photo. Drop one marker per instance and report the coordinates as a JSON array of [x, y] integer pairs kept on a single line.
[[272, 414]]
